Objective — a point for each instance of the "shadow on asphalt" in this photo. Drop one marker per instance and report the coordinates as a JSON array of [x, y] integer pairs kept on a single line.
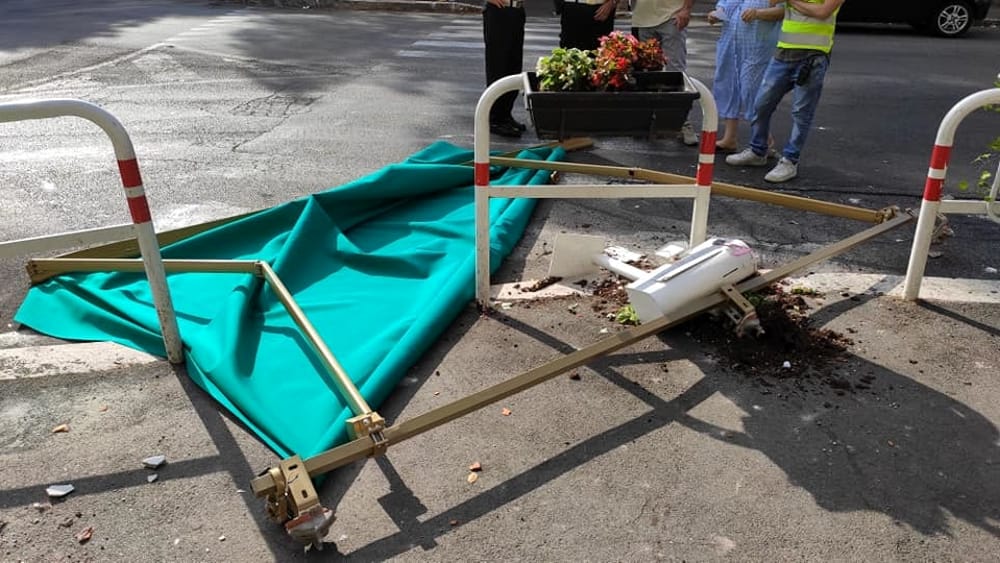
[[230, 459], [896, 447]]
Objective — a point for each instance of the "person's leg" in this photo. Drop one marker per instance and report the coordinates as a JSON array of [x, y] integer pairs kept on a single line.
[[726, 87], [778, 80], [805, 100], [515, 61], [575, 26], [602, 28], [730, 135], [498, 38], [673, 43]]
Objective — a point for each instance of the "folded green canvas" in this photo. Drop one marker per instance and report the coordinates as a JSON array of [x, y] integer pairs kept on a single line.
[[381, 266]]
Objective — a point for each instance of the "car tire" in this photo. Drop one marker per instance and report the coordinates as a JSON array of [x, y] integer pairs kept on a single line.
[[952, 18]]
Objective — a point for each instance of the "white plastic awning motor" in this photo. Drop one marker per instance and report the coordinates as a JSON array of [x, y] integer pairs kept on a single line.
[[704, 270], [700, 271]]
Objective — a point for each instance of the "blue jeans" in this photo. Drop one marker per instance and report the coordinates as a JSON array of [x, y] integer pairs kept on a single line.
[[780, 78]]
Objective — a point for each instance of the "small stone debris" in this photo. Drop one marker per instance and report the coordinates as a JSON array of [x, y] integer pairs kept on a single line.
[[59, 491], [890, 443], [934, 254], [990, 270], [506, 412], [177, 541], [786, 365], [103, 408], [453, 522], [154, 462], [152, 477], [41, 506], [3, 525], [222, 538], [476, 466], [67, 522], [61, 428], [575, 376], [472, 478], [84, 535]]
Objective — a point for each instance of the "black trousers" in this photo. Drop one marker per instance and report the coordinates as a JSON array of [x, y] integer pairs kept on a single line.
[[579, 29], [503, 34]]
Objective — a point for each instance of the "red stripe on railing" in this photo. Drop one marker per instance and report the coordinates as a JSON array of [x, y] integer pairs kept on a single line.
[[932, 189], [129, 170], [939, 161], [940, 156], [138, 207], [708, 142], [482, 173], [704, 177]]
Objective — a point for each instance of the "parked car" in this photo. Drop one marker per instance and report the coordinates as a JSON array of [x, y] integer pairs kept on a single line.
[[948, 18]]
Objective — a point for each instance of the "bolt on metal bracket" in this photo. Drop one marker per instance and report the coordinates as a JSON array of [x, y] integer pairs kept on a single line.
[[372, 425]]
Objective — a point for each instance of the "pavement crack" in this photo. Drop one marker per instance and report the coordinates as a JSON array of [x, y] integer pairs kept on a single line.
[[642, 511]]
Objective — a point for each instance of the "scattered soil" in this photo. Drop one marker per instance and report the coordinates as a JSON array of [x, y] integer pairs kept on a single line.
[[811, 353], [790, 346], [609, 294], [540, 284]]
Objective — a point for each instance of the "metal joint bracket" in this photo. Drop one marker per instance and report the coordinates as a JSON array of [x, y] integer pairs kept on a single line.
[[741, 312], [371, 425], [887, 213], [294, 501], [293, 493]]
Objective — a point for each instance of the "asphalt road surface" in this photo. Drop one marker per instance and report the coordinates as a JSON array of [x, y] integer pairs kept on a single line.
[[655, 453], [232, 109]]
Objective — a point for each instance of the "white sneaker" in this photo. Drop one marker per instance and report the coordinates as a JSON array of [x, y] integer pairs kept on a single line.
[[783, 172], [746, 157], [687, 135]]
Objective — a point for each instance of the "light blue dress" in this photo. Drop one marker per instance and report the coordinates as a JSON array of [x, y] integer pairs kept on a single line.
[[742, 54], [725, 87]]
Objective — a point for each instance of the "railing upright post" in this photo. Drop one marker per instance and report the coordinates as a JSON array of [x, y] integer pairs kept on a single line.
[[934, 185], [138, 206]]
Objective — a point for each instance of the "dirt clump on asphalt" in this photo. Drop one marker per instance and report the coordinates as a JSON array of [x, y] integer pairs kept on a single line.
[[790, 347]]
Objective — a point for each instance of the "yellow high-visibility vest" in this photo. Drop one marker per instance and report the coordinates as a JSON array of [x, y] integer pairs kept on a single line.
[[799, 31]]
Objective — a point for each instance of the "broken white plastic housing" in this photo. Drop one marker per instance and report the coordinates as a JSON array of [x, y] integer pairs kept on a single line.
[[702, 271]]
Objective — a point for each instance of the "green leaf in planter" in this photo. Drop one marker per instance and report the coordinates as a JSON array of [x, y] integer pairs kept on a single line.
[[565, 70]]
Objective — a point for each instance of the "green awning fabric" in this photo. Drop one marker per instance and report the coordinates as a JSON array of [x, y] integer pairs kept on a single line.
[[381, 266]]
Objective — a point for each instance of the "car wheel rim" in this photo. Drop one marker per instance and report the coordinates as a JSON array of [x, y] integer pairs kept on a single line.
[[953, 19]]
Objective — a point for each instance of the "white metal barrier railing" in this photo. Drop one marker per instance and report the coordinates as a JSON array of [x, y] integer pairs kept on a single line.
[[700, 192], [932, 204], [142, 223]]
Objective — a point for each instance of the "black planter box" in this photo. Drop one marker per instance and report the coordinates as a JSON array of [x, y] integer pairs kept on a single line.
[[662, 107]]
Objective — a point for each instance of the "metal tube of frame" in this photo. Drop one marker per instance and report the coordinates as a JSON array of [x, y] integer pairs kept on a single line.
[[596, 191], [362, 447], [54, 266], [65, 240], [348, 390], [718, 188]]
